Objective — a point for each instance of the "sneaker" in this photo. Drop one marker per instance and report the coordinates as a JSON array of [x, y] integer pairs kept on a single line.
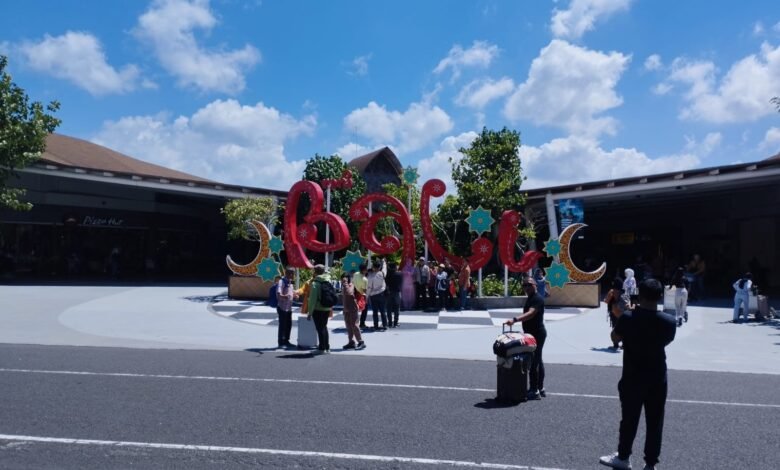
[[289, 345], [327, 351], [350, 345], [543, 393], [613, 461], [649, 467], [362, 326], [361, 345], [534, 395]]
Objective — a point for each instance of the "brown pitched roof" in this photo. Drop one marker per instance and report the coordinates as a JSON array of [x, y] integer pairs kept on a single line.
[[362, 162], [77, 153]]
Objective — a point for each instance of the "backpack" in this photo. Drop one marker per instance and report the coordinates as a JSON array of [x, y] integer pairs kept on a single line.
[[328, 297], [272, 299]]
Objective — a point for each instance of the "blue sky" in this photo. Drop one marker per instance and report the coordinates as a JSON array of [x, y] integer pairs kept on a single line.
[[244, 91]]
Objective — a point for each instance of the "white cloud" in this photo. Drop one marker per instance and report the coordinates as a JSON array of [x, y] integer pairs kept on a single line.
[[705, 147], [771, 142], [479, 93], [653, 62], [352, 150], [581, 16], [438, 165], [480, 55], [410, 130], [776, 27], [359, 65], [758, 29], [567, 87], [169, 25], [742, 95], [223, 141], [79, 58], [577, 159], [662, 88]]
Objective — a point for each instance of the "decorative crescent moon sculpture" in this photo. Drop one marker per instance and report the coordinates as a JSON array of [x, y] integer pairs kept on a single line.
[[575, 273], [251, 268]]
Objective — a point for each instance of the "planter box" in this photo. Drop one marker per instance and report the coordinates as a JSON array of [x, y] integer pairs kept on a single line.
[[572, 295], [248, 288]]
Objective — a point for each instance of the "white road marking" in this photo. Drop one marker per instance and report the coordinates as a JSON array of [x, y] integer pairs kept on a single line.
[[358, 384], [256, 450]]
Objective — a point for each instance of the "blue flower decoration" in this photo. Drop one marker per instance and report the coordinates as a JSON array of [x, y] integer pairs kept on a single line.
[[276, 245], [479, 220], [410, 176], [552, 247], [352, 261], [557, 275], [268, 269]]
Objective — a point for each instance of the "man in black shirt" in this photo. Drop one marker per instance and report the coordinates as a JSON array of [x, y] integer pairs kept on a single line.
[[645, 332], [533, 323]]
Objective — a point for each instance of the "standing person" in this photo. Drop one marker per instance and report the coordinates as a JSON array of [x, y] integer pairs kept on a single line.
[[408, 293], [442, 288], [422, 274], [617, 304], [432, 284], [464, 284], [360, 281], [350, 303], [680, 285], [629, 285], [541, 283], [533, 324], [318, 312], [645, 333], [376, 293], [393, 297], [742, 296], [284, 297]]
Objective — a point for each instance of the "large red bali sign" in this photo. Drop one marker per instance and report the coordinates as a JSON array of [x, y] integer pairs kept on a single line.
[[299, 237]]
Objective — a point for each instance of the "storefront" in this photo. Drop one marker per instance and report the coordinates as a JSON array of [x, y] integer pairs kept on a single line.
[[90, 222], [728, 215]]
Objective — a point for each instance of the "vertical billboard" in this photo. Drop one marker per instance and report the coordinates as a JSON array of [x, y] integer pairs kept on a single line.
[[570, 211]]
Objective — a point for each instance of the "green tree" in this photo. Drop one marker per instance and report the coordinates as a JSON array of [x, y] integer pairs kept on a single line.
[[319, 168], [239, 212], [776, 101], [490, 174], [23, 130], [449, 226]]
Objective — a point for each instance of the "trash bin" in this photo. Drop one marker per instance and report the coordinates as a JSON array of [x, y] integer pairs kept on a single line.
[[514, 352]]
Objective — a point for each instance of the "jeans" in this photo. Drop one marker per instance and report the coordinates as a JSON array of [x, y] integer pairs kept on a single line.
[[378, 307], [745, 301], [321, 324], [536, 374], [285, 327], [680, 302], [635, 394], [393, 307], [464, 295]]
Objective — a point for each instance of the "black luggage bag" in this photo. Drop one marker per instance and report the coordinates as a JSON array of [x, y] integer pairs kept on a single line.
[[512, 378]]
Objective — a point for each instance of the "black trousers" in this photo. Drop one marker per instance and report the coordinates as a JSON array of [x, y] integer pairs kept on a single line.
[[536, 374], [321, 324], [421, 294], [285, 326], [636, 394], [393, 307]]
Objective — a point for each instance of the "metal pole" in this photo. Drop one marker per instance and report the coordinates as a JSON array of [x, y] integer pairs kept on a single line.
[[327, 227], [368, 252], [552, 223], [479, 294], [506, 281]]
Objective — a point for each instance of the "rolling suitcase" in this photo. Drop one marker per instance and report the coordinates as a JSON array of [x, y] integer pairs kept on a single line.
[[512, 377], [307, 333]]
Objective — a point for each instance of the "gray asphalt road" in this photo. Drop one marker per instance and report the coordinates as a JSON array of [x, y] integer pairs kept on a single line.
[[353, 412]]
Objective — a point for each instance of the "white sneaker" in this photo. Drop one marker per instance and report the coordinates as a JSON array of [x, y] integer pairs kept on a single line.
[[612, 460]]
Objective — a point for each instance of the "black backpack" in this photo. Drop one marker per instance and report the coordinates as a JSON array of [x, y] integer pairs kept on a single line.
[[328, 297]]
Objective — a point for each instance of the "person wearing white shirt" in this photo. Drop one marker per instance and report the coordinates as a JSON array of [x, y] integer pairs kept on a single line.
[[742, 295]]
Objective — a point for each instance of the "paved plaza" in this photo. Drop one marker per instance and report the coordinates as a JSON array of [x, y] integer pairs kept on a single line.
[[166, 377]]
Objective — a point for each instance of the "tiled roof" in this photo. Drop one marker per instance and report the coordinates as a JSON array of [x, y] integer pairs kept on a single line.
[[362, 162], [77, 153]]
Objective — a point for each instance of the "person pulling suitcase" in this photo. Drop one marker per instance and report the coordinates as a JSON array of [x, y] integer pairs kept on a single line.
[[533, 323]]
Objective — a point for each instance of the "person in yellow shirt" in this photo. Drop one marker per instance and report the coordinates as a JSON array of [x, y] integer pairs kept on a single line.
[[360, 282]]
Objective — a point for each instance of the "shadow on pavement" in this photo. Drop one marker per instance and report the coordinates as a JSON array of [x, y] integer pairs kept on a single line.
[[201, 299], [492, 403], [607, 350], [302, 355]]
